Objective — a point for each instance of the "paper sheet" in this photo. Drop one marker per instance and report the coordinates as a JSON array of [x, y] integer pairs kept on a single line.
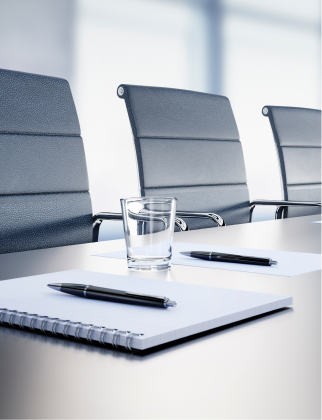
[[289, 263]]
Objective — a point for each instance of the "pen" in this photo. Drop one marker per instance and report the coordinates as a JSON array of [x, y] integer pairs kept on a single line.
[[111, 295], [218, 256]]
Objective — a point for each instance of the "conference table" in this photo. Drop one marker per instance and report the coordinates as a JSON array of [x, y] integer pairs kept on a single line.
[[268, 366]]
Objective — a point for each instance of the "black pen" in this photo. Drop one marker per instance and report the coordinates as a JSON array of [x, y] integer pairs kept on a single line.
[[231, 258], [111, 295]]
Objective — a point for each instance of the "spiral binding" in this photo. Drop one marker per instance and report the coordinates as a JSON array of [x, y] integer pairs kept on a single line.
[[2, 313], [53, 327], [43, 324], [102, 334], [22, 317], [67, 323], [31, 323], [115, 336], [128, 340], [13, 313], [65, 329], [78, 328], [89, 332]]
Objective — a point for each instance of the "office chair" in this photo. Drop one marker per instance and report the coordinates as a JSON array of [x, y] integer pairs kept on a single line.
[[44, 191], [187, 146], [297, 135]]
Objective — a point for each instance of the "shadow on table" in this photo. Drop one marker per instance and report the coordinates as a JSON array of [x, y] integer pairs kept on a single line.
[[83, 345]]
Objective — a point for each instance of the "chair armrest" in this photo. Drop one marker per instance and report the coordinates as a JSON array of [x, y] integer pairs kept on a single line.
[[149, 217], [213, 216], [98, 219], [107, 216], [282, 204], [182, 225]]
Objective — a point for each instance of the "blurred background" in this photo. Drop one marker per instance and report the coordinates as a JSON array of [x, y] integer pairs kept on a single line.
[[255, 52]]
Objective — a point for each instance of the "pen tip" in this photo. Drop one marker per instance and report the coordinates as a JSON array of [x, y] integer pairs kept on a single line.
[[171, 303], [185, 253], [55, 286], [273, 262]]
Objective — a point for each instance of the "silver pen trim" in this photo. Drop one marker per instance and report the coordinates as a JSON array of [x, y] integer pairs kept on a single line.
[[85, 290], [169, 303]]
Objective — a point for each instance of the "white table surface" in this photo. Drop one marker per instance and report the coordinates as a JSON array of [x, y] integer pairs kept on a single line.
[[269, 367]]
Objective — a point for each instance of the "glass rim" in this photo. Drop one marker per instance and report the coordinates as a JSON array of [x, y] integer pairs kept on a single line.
[[155, 198]]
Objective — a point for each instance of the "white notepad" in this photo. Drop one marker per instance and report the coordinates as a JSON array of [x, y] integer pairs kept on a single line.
[[199, 308], [289, 263]]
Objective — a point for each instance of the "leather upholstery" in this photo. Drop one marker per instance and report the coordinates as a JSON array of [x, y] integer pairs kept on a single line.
[[42, 164], [44, 198], [175, 113], [163, 155], [35, 221], [35, 104], [187, 146], [297, 135], [232, 203]]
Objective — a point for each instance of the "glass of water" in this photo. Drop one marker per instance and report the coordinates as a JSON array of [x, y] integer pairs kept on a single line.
[[148, 227]]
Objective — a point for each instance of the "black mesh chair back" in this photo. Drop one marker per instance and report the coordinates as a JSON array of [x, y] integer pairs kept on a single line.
[[44, 198], [187, 146], [297, 134]]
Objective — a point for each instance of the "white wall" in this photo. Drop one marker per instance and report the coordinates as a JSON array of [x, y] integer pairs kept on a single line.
[[37, 36]]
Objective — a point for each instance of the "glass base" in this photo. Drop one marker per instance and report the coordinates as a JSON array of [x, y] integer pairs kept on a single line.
[[149, 264]]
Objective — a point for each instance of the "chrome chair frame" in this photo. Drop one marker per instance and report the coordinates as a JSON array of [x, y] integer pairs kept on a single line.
[[180, 223], [281, 205]]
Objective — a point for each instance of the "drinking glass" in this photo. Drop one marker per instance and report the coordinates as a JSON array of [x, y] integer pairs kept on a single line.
[[148, 227]]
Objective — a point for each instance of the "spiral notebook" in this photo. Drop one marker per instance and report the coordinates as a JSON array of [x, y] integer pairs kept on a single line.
[[28, 303]]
